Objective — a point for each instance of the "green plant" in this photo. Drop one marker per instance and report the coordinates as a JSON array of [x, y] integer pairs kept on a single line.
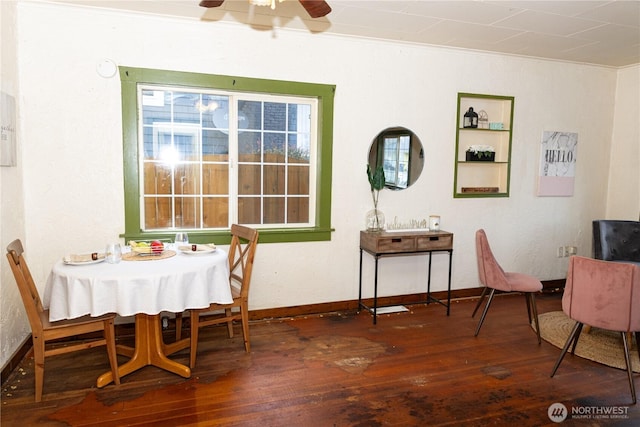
[[377, 183], [481, 150]]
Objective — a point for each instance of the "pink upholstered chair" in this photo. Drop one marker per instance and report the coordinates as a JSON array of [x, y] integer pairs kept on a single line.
[[493, 277], [606, 295]]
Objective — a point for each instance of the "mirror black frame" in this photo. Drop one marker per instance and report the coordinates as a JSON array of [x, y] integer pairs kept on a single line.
[[415, 158]]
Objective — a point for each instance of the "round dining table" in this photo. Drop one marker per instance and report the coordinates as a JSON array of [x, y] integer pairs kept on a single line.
[[142, 286]]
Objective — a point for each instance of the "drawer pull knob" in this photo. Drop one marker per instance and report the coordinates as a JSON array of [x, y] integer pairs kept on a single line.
[[434, 238], [396, 240]]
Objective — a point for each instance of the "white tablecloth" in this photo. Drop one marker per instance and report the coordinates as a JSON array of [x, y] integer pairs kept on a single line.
[[174, 284]]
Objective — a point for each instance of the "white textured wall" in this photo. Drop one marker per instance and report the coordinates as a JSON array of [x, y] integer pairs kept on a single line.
[[624, 184], [14, 327], [72, 149]]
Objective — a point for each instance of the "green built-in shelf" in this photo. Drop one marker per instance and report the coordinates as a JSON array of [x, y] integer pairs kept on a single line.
[[483, 178]]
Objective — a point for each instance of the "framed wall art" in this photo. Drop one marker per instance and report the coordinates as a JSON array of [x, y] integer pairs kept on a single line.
[[557, 163]]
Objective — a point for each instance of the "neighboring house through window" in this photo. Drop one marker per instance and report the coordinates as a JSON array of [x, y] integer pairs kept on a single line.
[[205, 151]]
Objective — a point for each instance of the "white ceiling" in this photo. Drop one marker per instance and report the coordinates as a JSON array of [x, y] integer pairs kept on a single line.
[[591, 31]]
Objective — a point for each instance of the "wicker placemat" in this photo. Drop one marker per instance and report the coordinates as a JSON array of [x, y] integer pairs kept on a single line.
[[132, 256]]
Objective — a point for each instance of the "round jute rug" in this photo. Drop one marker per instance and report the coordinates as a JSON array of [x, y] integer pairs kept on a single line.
[[598, 345]]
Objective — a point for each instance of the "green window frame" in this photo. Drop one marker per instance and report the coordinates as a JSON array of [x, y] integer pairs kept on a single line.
[[132, 77]]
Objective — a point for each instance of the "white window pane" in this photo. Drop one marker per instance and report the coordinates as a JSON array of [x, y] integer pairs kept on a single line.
[[189, 140], [275, 117]]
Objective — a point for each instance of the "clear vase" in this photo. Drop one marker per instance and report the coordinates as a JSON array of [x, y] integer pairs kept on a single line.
[[375, 220]]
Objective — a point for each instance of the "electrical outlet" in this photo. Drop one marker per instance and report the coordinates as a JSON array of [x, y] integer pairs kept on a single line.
[[561, 252], [571, 250]]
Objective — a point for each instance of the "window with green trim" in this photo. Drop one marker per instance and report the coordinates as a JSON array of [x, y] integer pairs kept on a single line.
[[205, 151]]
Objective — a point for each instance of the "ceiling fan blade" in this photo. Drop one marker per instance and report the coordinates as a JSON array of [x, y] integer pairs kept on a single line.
[[316, 8], [211, 3]]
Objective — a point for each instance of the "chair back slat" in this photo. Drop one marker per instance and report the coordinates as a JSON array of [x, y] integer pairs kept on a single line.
[[244, 241], [26, 285]]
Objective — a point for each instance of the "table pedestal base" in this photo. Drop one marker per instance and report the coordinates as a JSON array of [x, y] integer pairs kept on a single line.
[[149, 350]]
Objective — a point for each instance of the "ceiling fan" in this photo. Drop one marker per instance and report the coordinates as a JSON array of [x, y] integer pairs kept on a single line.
[[315, 8]]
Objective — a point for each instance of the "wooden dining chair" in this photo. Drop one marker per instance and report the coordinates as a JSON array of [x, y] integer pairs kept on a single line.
[[43, 331], [244, 241]]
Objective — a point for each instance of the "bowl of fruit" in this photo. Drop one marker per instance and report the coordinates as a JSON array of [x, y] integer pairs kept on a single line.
[[155, 247]]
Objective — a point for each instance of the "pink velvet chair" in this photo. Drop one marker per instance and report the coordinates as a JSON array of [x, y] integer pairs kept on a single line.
[[494, 278], [606, 295]]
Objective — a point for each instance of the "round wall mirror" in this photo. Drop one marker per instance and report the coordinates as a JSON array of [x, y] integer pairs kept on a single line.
[[399, 151]]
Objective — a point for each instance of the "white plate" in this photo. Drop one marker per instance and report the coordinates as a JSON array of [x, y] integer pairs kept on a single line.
[[202, 249], [64, 260]]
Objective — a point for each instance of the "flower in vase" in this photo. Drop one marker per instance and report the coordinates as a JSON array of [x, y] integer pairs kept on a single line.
[[377, 183]]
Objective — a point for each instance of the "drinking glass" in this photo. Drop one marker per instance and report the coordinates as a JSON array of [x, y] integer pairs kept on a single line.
[[181, 239], [113, 253]]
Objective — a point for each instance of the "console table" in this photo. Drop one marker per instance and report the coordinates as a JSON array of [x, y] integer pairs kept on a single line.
[[381, 244]]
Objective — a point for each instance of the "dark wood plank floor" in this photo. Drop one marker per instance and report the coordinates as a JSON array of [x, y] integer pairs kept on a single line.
[[419, 368]]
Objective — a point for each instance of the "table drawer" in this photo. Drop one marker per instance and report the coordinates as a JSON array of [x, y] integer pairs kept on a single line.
[[434, 242], [396, 244]]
